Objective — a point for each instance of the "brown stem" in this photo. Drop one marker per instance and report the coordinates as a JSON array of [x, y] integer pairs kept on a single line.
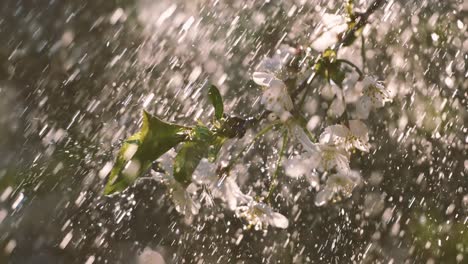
[[361, 20]]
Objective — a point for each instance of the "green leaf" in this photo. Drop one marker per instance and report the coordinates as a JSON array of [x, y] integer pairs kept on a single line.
[[217, 101], [233, 126], [336, 74], [204, 144], [187, 160], [139, 151], [215, 147], [329, 67]]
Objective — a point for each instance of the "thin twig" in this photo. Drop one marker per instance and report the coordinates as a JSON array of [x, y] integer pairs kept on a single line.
[[361, 75], [361, 20], [226, 170], [274, 179]]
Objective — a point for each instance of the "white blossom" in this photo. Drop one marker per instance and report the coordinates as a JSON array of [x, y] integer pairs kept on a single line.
[[225, 188], [321, 156], [329, 157], [181, 196], [332, 26], [301, 136], [261, 215], [340, 183], [325, 157], [269, 74], [275, 98], [228, 190], [183, 201], [356, 136], [337, 107], [375, 95], [276, 64]]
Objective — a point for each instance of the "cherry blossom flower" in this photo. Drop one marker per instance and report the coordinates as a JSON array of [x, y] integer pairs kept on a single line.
[[182, 199], [181, 196], [275, 97], [225, 188], [260, 215], [322, 156], [375, 95], [325, 157], [340, 183], [332, 26], [276, 64], [337, 107], [329, 157], [356, 136], [228, 191]]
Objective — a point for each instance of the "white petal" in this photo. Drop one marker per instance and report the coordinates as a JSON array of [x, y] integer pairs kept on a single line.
[[368, 81], [205, 173], [194, 206], [358, 128], [302, 137], [263, 78], [332, 20], [333, 134], [281, 90], [323, 196], [228, 195], [324, 41], [287, 102], [285, 116], [363, 107], [361, 145], [342, 163], [314, 160], [337, 108], [234, 195], [183, 202], [342, 160], [276, 98], [278, 220], [350, 80]]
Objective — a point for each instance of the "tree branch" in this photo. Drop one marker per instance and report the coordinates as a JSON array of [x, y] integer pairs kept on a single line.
[[361, 20]]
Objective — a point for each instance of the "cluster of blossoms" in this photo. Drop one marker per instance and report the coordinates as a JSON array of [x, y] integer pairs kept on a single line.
[[331, 154], [328, 159], [258, 214], [375, 95], [275, 95]]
